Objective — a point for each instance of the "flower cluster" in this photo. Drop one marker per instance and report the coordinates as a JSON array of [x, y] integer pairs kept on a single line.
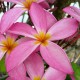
[[28, 48]]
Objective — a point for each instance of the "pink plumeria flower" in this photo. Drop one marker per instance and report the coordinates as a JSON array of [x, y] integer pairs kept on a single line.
[[41, 39], [8, 43], [13, 14], [35, 69], [73, 11]]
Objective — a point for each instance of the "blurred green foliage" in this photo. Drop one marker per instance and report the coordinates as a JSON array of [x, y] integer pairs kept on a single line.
[[2, 66], [76, 69]]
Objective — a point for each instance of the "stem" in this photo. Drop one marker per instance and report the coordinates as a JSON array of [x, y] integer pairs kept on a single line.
[[77, 58]]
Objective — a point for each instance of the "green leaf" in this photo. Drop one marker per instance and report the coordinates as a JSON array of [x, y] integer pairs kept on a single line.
[[2, 66], [76, 69]]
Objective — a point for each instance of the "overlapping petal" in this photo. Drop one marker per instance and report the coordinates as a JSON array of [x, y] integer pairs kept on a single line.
[[73, 11], [44, 4], [9, 78], [1, 38], [40, 17], [22, 29], [23, 39], [20, 53], [13, 36], [18, 73], [51, 20], [40, 1], [56, 57], [1, 52], [27, 78], [53, 74], [63, 29], [34, 66], [10, 17]]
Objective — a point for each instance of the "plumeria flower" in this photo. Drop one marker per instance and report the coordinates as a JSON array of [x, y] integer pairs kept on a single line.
[[42, 37], [13, 14], [8, 42], [35, 69], [73, 11]]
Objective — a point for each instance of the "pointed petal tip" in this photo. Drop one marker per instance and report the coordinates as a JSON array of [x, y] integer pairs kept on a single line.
[[56, 57], [68, 29], [73, 11], [10, 17], [34, 65]]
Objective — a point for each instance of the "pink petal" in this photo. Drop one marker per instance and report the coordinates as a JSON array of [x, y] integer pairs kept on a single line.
[[28, 78], [72, 36], [44, 4], [34, 65], [13, 36], [22, 29], [40, 17], [19, 54], [18, 73], [10, 17], [40, 1], [61, 31], [1, 53], [1, 38], [51, 20], [56, 57], [53, 74], [73, 11], [7, 55], [9, 78], [23, 39]]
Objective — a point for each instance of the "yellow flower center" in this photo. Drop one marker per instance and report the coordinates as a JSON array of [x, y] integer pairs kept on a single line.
[[8, 45], [42, 38], [28, 3], [37, 78]]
